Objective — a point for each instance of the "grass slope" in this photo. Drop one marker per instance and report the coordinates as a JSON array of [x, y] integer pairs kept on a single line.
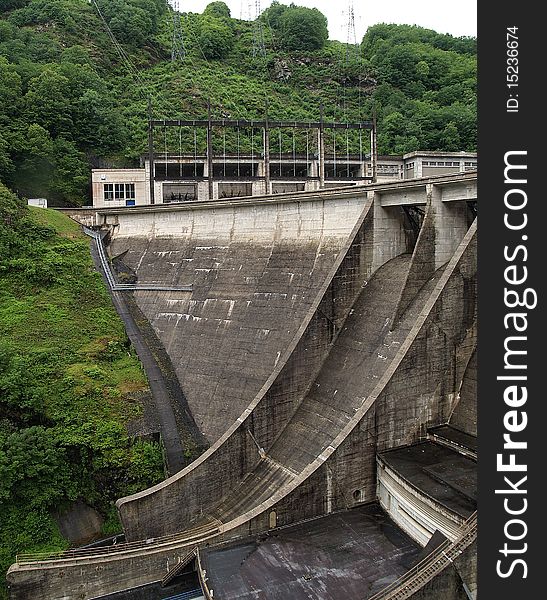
[[69, 384]]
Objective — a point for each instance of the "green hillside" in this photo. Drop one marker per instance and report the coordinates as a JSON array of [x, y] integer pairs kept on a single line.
[[69, 384], [70, 98]]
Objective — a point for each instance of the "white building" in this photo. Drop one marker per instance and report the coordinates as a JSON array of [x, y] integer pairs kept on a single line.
[[40, 202], [186, 178]]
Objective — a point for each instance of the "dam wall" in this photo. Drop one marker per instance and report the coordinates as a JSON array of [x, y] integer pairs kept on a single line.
[[255, 271]]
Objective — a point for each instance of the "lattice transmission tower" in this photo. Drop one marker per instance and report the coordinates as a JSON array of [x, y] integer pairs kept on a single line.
[[245, 10], [351, 34], [178, 50], [259, 45]]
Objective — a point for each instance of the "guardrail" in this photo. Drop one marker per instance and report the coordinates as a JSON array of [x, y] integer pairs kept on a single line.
[[127, 287], [433, 564], [195, 535], [202, 576]]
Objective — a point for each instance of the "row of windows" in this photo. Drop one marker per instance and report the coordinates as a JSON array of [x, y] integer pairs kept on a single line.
[[119, 191], [440, 163]]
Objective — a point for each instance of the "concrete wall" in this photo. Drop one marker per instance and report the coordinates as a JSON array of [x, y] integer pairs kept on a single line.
[[255, 271], [416, 394], [451, 582], [84, 216], [464, 415], [413, 511], [236, 453]]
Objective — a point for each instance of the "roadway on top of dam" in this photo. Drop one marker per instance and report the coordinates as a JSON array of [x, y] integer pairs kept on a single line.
[[456, 187]]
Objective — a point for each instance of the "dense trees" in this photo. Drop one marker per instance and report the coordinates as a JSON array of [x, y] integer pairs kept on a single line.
[[59, 72], [217, 9], [427, 93], [133, 22], [303, 28], [215, 37], [297, 27]]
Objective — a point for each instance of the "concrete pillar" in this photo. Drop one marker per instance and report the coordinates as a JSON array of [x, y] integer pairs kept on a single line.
[[149, 184], [418, 167], [158, 192], [267, 182], [422, 266], [450, 222], [443, 228], [390, 239], [321, 144]]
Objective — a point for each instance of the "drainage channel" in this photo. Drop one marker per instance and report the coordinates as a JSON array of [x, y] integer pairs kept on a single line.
[[174, 451]]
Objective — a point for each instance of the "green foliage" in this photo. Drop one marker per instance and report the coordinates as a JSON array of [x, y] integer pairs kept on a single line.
[[215, 37], [426, 98], [133, 22], [69, 382], [37, 12], [217, 9], [67, 101], [272, 15], [379, 35], [303, 28], [11, 4]]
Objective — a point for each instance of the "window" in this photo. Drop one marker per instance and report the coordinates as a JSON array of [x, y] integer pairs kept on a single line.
[[119, 191], [130, 191]]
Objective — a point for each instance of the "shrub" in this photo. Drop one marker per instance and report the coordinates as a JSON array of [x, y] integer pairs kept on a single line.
[[215, 37]]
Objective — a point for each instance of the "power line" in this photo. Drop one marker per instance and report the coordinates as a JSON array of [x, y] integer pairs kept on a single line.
[[144, 89], [122, 53]]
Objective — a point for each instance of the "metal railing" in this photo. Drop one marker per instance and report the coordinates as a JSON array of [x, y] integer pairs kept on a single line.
[[178, 567], [431, 565], [193, 536], [128, 287], [202, 576]]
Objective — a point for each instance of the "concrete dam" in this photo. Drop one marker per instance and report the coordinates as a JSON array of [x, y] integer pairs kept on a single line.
[[325, 346]]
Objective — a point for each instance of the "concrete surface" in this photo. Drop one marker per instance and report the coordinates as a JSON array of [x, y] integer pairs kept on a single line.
[[351, 554], [80, 523], [255, 273], [442, 474]]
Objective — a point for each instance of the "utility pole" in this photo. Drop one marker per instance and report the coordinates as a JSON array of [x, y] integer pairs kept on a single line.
[[178, 51], [321, 144], [259, 46], [151, 151], [374, 148], [209, 150], [267, 152]]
